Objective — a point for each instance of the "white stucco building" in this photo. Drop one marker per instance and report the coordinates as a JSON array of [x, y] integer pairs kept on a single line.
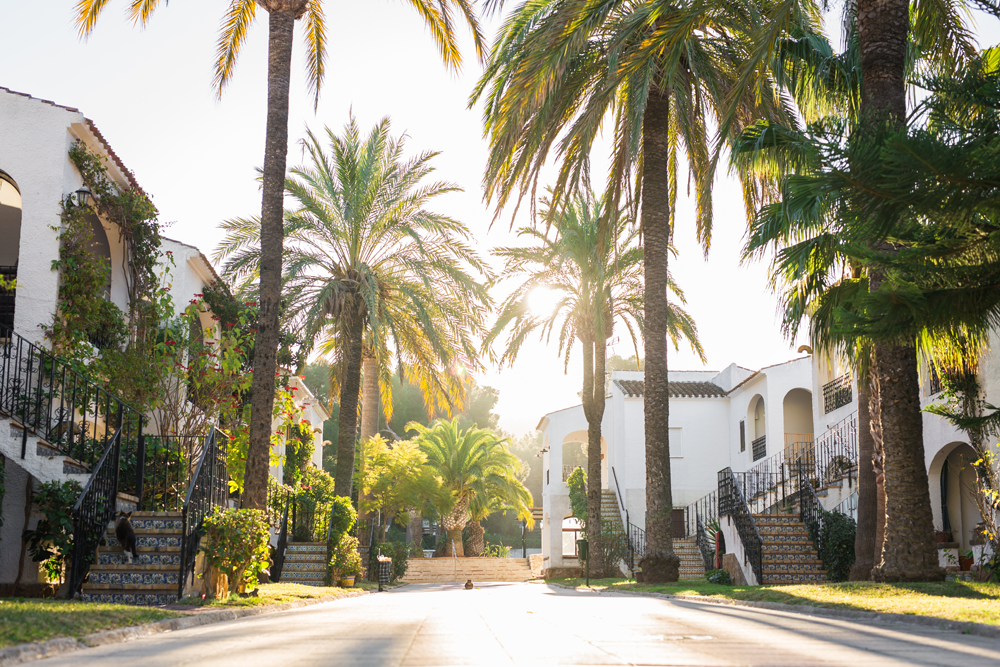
[[717, 420]]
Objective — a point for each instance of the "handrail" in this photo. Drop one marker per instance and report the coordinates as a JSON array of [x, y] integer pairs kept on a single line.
[[279, 557], [707, 553], [71, 413], [94, 510], [209, 489], [733, 504], [706, 507], [811, 510], [618, 489]]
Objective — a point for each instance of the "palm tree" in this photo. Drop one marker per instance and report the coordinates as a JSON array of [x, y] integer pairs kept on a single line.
[[594, 264], [282, 15], [476, 467], [367, 260], [899, 514], [662, 73]]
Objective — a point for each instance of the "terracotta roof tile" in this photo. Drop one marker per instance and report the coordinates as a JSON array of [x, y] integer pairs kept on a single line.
[[636, 388]]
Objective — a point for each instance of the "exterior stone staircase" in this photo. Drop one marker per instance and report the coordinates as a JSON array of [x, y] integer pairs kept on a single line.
[[692, 564], [611, 513], [460, 570], [153, 578], [305, 563], [789, 556]]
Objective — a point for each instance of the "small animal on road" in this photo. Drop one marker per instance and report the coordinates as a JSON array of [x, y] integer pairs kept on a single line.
[[468, 585]]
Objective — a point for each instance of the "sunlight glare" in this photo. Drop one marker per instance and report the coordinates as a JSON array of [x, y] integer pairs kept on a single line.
[[543, 301]]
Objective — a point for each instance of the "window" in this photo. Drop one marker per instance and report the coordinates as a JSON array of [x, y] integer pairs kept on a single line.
[[570, 534], [743, 435]]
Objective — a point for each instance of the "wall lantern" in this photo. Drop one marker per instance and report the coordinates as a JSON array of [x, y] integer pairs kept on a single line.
[[83, 197]]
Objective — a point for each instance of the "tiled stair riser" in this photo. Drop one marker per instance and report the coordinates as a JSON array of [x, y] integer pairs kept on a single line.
[[118, 558], [137, 598], [789, 555], [114, 578], [150, 541]]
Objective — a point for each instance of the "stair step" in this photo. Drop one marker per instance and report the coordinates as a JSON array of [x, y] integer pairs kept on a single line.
[[149, 541], [171, 557], [139, 580], [141, 598]]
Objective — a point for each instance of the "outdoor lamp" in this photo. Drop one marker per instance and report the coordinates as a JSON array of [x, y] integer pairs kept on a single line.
[[83, 196]]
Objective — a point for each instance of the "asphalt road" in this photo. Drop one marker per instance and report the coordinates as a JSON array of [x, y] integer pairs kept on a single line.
[[522, 624]]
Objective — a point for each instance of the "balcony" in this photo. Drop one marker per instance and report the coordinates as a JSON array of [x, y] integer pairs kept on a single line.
[[837, 393], [759, 448]]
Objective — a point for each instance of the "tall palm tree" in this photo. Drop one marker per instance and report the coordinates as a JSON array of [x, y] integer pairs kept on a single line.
[[282, 15], [366, 260], [898, 516], [477, 467], [590, 257], [662, 73]]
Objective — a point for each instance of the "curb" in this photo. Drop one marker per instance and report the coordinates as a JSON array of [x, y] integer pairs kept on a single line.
[[16, 655], [969, 628]]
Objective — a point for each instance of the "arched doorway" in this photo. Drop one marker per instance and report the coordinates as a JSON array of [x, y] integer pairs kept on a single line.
[[953, 484], [797, 414], [10, 233]]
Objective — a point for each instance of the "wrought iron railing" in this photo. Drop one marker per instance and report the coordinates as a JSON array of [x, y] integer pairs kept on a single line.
[[94, 510], [636, 544], [766, 492], [934, 382], [279, 557], [811, 511], [837, 393], [705, 508], [733, 504], [849, 506], [836, 452], [705, 544], [759, 448], [44, 396], [209, 489], [168, 465]]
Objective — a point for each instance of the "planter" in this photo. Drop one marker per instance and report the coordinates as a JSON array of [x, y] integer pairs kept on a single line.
[[965, 564], [347, 581]]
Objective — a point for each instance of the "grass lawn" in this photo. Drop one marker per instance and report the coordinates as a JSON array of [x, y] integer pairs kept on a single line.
[[963, 601], [32, 620], [278, 594]]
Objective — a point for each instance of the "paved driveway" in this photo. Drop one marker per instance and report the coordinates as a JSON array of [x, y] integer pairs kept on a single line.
[[504, 624]]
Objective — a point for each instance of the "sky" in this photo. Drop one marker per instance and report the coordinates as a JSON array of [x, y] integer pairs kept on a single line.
[[150, 93]]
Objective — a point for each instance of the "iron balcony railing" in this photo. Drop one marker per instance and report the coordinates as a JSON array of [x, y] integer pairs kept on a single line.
[[45, 397], [837, 393], [733, 504], [168, 466], [759, 448], [209, 489], [835, 453], [811, 511]]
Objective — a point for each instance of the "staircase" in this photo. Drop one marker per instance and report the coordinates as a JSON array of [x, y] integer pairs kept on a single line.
[[611, 515], [152, 579], [789, 556], [460, 570], [305, 563], [692, 564]]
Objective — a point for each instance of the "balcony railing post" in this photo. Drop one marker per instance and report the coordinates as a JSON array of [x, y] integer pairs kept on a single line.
[[140, 472]]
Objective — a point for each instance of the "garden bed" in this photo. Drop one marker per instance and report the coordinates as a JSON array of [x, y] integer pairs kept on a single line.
[[962, 601], [31, 620]]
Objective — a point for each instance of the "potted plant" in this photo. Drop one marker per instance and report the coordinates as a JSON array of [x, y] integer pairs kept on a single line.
[[345, 561], [965, 560]]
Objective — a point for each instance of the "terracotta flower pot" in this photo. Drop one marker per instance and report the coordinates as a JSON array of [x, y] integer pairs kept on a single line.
[[347, 581], [965, 564]]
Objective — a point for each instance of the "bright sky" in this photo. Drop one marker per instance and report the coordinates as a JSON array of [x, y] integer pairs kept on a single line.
[[150, 94]]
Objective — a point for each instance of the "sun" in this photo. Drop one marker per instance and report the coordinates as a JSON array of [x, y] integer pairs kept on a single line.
[[543, 301]]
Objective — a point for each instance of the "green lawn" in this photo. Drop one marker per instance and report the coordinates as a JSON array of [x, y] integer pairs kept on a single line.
[[963, 601], [32, 620], [279, 594]]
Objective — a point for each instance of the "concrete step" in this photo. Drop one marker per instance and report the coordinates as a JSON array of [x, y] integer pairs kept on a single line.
[[440, 570]]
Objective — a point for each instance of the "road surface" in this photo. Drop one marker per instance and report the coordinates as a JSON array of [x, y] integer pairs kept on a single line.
[[535, 624]]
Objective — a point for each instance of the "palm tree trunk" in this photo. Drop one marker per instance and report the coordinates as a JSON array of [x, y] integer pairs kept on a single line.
[[369, 429], [477, 543], [590, 392], [453, 523], [349, 390], [908, 550], [272, 232], [864, 541], [878, 467], [660, 564]]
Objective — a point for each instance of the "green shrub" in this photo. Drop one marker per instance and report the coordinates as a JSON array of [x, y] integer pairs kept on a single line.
[[836, 544], [719, 577], [237, 545], [577, 482], [615, 548], [344, 558], [343, 516], [51, 542]]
